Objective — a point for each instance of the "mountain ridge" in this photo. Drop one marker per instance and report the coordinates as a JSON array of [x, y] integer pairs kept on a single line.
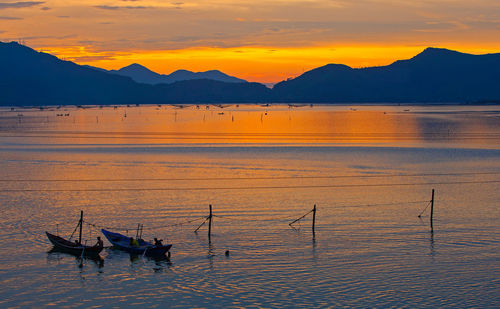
[[142, 74], [33, 78], [435, 75]]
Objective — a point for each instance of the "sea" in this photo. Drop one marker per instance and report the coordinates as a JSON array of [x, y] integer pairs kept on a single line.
[[369, 171]]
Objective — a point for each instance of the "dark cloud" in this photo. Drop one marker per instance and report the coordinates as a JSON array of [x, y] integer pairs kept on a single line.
[[111, 7], [92, 58], [63, 16], [44, 37], [10, 18], [20, 4], [45, 8], [186, 38], [87, 42]]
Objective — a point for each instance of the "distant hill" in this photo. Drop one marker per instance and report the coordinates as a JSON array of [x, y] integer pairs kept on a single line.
[[32, 78], [144, 75], [212, 91], [29, 77], [435, 75]]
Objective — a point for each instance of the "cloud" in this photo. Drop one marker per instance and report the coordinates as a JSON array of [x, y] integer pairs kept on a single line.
[[44, 37], [45, 8], [91, 58], [186, 38], [20, 4], [442, 26], [112, 7], [10, 18]]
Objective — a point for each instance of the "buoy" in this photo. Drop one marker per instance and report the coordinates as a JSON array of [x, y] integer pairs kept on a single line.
[[227, 252]]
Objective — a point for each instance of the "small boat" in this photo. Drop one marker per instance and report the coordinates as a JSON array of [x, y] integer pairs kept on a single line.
[[71, 247], [122, 242], [74, 247]]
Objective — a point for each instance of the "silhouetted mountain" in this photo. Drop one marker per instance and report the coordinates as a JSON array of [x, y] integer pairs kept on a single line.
[[435, 75], [35, 78], [94, 68], [212, 91], [139, 74], [181, 75], [144, 75]]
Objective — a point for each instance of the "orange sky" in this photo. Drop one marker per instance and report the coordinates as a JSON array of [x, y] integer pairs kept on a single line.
[[265, 41]]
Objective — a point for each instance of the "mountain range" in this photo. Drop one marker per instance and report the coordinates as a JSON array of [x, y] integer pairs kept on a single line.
[[144, 75], [28, 77], [436, 75]]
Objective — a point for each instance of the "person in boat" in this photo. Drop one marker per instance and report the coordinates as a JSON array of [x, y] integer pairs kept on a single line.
[[134, 242], [99, 243], [158, 242], [77, 242]]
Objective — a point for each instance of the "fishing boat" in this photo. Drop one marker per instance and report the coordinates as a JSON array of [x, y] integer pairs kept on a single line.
[[74, 247], [122, 242]]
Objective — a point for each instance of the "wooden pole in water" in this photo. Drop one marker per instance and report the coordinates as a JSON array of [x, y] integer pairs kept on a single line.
[[210, 221], [81, 224], [314, 219], [432, 207]]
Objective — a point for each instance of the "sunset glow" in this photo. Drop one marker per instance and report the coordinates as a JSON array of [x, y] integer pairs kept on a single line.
[[265, 42]]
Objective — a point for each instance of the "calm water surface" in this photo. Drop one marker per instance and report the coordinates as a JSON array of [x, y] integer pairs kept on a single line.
[[369, 169]]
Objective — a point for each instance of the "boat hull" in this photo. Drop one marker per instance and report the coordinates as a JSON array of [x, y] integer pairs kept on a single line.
[[70, 247], [122, 242]]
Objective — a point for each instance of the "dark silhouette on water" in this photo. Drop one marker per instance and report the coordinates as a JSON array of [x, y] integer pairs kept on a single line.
[[135, 246], [75, 247], [158, 242]]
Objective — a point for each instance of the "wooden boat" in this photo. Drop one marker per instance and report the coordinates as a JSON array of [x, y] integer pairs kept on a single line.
[[122, 242], [73, 247]]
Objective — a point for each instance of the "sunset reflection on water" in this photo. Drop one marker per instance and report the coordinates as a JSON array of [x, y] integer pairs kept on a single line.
[[369, 169], [250, 124]]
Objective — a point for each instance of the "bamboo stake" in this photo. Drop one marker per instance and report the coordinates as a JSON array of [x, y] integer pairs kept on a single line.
[[432, 206], [314, 219], [210, 222], [81, 221]]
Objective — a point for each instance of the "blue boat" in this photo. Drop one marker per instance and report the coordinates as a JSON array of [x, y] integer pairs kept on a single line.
[[122, 242]]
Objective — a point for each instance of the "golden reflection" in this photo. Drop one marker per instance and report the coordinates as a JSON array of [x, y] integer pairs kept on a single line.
[[232, 124], [251, 124]]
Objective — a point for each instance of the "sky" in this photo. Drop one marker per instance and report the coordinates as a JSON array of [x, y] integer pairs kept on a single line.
[[263, 41]]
